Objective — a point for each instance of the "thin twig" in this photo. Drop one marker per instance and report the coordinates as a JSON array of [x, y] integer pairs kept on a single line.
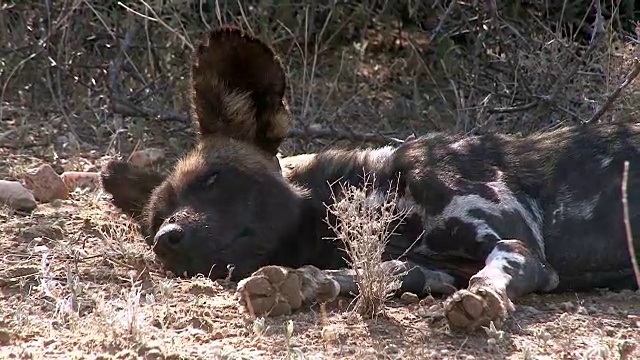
[[126, 108], [616, 93], [444, 18], [627, 224], [564, 79], [116, 65], [513, 109]]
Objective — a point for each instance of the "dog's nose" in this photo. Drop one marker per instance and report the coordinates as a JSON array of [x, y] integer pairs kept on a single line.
[[169, 236]]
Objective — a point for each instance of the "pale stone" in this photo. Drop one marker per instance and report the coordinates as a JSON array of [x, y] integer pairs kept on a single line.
[[80, 179], [146, 157], [16, 196], [45, 184]]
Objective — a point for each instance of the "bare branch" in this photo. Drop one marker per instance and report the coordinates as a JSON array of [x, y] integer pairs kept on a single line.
[[627, 224], [116, 65], [616, 93], [126, 108], [513, 109], [444, 18]]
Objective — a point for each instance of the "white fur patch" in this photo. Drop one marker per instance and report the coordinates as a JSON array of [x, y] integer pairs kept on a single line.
[[380, 155], [605, 161], [497, 263], [569, 208], [495, 267], [461, 206]]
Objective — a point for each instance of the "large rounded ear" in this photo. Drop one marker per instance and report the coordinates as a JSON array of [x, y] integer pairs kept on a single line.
[[130, 187], [238, 87]]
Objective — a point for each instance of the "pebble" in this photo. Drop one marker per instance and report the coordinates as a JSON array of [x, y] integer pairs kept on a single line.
[[566, 306], [409, 298], [16, 196], [5, 337], [391, 349], [146, 157], [154, 354], [530, 309], [582, 310], [80, 179], [45, 184]]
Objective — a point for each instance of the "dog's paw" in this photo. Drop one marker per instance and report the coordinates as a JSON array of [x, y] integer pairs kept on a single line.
[[277, 290], [470, 309], [270, 291]]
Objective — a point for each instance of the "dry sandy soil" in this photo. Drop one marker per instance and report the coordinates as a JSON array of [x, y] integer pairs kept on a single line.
[[77, 282]]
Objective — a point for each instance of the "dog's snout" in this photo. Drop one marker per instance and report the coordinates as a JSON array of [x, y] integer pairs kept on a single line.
[[169, 236]]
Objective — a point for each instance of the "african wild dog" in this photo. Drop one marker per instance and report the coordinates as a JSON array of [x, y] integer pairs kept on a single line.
[[494, 216]]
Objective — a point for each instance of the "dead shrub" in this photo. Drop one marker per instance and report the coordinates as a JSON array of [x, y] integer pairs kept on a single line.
[[364, 222]]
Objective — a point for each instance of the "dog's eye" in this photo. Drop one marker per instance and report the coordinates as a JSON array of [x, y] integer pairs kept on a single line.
[[211, 180]]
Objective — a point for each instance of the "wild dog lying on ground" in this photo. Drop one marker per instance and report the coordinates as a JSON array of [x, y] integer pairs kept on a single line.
[[492, 217]]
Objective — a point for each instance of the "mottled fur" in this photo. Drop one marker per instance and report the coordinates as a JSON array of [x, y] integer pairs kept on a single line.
[[498, 215]]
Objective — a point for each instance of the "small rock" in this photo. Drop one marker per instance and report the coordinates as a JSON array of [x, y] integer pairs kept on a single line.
[[530, 310], [125, 355], [566, 306], [592, 310], [40, 249], [154, 354], [146, 157], [582, 310], [610, 331], [544, 335], [45, 184], [19, 271], [409, 298], [80, 179], [5, 337], [45, 230], [431, 311], [427, 301], [16, 196], [391, 349]]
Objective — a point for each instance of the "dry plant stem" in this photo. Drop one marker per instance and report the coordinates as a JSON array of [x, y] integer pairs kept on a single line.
[[562, 81], [363, 224], [616, 93], [443, 19], [118, 62], [627, 225]]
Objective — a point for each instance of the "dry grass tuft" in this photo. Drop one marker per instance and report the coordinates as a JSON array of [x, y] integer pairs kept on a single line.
[[364, 221]]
